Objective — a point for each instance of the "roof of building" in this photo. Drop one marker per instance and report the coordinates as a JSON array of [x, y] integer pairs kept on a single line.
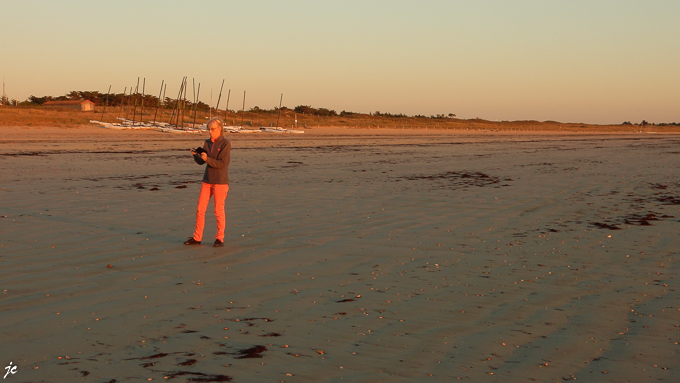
[[68, 102]]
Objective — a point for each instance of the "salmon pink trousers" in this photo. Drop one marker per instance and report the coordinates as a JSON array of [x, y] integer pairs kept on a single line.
[[219, 194]]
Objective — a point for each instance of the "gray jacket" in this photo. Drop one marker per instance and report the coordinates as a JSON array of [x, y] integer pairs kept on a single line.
[[219, 153]]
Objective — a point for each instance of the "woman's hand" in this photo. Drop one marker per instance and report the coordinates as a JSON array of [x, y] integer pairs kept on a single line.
[[204, 156]]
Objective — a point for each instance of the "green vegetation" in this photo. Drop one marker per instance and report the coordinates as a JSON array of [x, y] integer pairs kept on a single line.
[[124, 100], [323, 112], [645, 123], [115, 99]]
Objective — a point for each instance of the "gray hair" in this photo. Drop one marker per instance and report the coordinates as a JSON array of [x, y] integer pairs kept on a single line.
[[219, 123]]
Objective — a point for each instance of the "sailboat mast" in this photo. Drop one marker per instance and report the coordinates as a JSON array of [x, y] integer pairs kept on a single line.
[[277, 118], [134, 110], [141, 112], [217, 107], [105, 100], [243, 110], [158, 103], [226, 109]]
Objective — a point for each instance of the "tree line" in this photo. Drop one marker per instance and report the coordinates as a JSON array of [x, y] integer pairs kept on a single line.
[[645, 123], [117, 99], [306, 109], [122, 99]]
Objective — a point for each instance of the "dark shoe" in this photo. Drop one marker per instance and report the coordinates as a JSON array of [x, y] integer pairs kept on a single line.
[[218, 243], [192, 241]]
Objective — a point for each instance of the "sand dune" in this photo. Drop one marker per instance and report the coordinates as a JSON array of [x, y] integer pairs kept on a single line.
[[351, 255]]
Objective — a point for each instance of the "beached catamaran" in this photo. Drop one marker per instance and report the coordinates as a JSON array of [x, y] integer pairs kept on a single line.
[[177, 116]]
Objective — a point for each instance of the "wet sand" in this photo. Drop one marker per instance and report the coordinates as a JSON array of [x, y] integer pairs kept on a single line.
[[351, 255]]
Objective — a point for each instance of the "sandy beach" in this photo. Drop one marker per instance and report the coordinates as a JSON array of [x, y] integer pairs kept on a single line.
[[351, 256]]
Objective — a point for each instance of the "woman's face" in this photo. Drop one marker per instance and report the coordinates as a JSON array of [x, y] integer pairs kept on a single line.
[[215, 132]]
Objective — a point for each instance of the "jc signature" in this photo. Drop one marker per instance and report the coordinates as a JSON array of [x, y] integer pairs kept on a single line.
[[10, 370]]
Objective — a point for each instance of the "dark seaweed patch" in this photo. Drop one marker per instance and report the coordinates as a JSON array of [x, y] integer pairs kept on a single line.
[[293, 164], [640, 207], [212, 378], [461, 178], [253, 352], [201, 377], [270, 334], [155, 356], [252, 319], [669, 200], [601, 225], [189, 362], [640, 220]]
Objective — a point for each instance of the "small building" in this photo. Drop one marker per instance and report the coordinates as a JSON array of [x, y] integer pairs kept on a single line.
[[84, 105]]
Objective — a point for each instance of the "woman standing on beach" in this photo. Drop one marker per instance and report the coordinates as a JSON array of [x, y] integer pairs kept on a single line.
[[216, 154]]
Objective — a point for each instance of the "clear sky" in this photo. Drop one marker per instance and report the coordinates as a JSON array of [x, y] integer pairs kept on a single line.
[[592, 61]]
